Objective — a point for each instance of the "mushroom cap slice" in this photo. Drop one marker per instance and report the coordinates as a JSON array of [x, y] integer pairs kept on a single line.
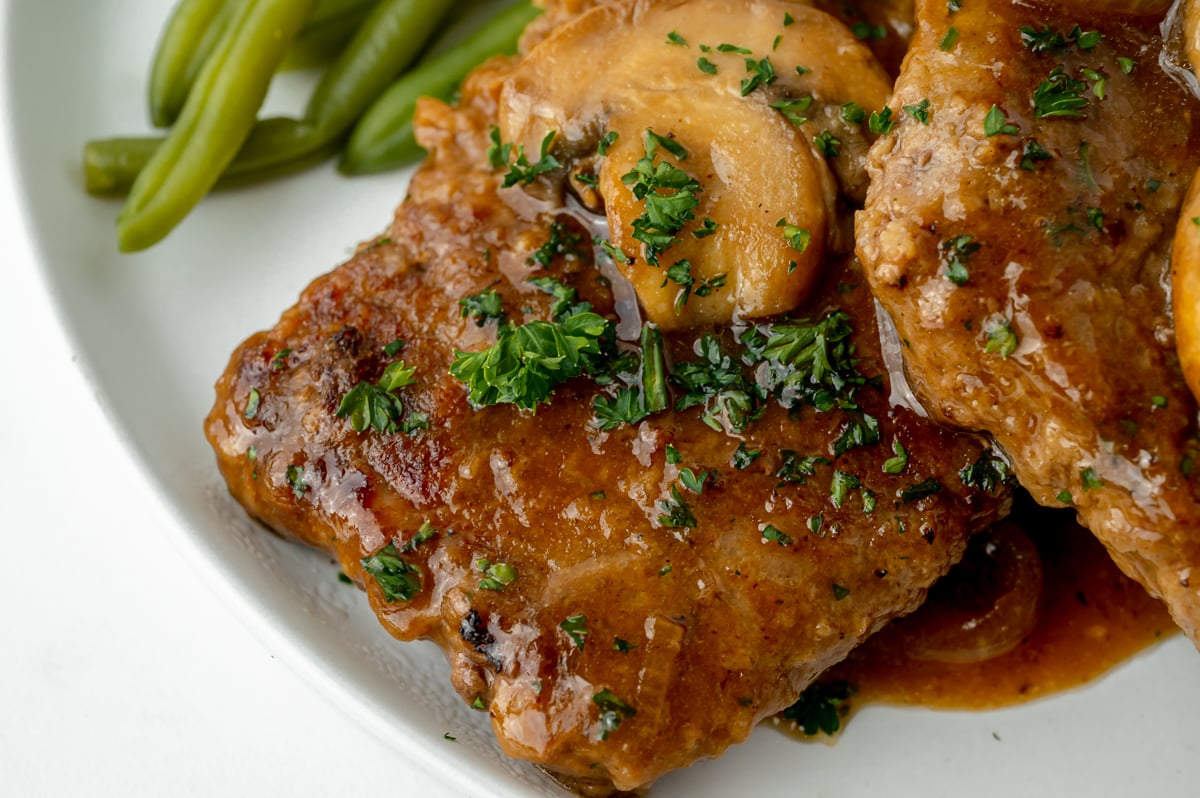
[[720, 79]]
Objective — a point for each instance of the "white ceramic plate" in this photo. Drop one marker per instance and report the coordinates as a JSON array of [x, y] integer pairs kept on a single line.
[[154, 330]]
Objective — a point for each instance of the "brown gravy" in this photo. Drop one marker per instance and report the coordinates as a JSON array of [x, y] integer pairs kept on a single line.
[[1090, 617]]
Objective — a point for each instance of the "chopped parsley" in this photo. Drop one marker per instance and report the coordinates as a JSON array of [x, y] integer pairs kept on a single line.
[[376, 406], [897, 464], [483, 307], [669, 194], [812, 362], [996, 122], [1002, 339], [612, 711], [706, 66], [919, 112], [706, 228], [840, 487], [633, 404], [693, 481], [771, 534], [624, 646], [606, 141], [674, 38], [676, 513], [840, 592], [561, 242], [399, 579], [1032, 153], [853, 113], [1047, 40], [566, 298], [576, 628], [798, 238], [797, 469], [956, 253], [252, 404], [988, 473], [1059, 97], [717, 383], [743, 458], [827, 144], [881, 122], [295, 478], [793, 109], [862, 429], [528, 361], [520, 171], [1089, 480], [681, 274], [920, 490], [947, 43], [820, 708], [496, 576], [761, 72]]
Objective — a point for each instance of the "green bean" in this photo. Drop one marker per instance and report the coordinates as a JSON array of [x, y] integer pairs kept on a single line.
[[278, 145], [389, 40], [383, 138], [189, 38], [326, 10], [319, 43], [111, 165], [218, 116]]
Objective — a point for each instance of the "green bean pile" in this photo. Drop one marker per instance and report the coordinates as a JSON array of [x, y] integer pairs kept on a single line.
[[214, 64]]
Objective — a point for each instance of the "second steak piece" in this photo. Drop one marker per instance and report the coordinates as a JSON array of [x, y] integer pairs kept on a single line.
[[1018, 231]]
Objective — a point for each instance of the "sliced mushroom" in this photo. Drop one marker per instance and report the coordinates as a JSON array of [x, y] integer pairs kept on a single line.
[[719, 81]]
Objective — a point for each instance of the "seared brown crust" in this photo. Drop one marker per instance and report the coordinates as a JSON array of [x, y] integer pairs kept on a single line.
[[1091, 404], [726, 626]]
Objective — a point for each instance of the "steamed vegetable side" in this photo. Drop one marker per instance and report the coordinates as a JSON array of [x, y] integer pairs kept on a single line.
[[212, 68]]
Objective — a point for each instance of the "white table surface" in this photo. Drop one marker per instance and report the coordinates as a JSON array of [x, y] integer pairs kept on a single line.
[[122, 673]]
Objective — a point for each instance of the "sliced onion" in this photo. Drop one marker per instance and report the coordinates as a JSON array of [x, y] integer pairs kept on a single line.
[[985, 606]]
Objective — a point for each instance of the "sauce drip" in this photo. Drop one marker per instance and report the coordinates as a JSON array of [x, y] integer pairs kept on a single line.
[[1090, 617]]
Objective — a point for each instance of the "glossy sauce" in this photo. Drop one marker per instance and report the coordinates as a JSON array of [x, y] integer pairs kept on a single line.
[[1090, 617]]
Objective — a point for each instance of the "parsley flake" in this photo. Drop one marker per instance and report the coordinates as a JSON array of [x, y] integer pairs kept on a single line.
[[252, 404], [612, 711], [521, 171], [399, 579], [827, 144], [793, 109], [483, 307], [919, 112], [1002, 339], [771, 534], [762, 73], [743, 458], [1059, 97], [897, 464], [996, 122], [881, 122], [956, 253], [528, 361], [576, 628], [920, 490]]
